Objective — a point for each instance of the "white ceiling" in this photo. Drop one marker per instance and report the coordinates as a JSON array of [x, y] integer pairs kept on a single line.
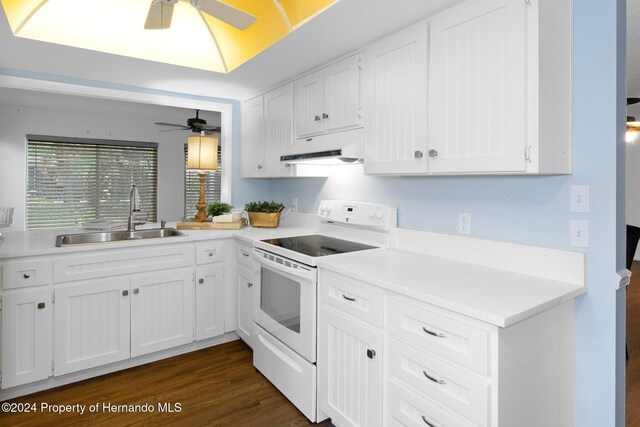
[[343, 28]]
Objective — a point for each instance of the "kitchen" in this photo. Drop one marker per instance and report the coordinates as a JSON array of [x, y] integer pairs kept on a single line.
[[530, 210]]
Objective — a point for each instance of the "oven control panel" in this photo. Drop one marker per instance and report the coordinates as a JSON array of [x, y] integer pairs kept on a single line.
[[358, 213]]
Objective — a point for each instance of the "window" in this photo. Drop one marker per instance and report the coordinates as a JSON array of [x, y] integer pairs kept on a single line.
[[71, 180], [212, 186]]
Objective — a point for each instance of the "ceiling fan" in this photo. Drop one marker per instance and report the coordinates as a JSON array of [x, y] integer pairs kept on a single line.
[[194, 124], [161, 11]]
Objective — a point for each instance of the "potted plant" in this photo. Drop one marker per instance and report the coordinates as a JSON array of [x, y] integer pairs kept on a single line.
[[264, 214], [219, 208]]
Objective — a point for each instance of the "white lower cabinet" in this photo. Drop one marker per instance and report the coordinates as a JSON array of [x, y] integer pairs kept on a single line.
[[350, 365], [209, 301], [161, 310], [246, 279], [91, 326], [437, 368], [25, 336]]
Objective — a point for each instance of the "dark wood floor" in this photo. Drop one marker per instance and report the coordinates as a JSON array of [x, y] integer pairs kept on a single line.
[[217, 386], [633, 342]]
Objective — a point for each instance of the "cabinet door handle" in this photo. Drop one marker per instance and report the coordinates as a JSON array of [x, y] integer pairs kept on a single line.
[[418, 154], [435, 380], [309, 139], [245, 254], [427, 422], [201, 281], [348, 298], [371, 353], [317, 118], [325, 116], [26, 275], [212, 253], [249, 284], [259, 166], [125, 293], [136, 291], [41, 305], [435, 334], [433, 153]]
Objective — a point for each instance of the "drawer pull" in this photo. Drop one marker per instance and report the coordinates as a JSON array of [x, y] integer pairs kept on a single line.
[[371, 353], [41, 305], [435, 334], [245, 254], [136, 291], [249, 284], [201, 281], [125, 293], [348, 298], [26, 275], [427, 422], [211, 253], [435, 380]]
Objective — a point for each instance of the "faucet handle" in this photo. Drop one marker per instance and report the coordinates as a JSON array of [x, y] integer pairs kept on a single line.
[[163, 223]]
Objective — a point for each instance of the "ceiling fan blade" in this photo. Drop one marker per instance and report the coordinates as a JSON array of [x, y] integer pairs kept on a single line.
[[173, 130], [631, 101], [183, 127], [159, 16], [229, 14], [204, 126]]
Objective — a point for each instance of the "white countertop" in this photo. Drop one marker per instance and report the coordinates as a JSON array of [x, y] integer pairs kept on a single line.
[[42, 242], [491, 295]]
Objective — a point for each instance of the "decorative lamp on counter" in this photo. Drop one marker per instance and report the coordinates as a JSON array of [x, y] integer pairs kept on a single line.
[[202, 155]]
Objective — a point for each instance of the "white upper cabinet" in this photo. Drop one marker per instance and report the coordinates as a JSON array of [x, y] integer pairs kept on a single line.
[[278, 129], [500, 89], [253, 138], [328, 99], [396, 103], [477, 88]]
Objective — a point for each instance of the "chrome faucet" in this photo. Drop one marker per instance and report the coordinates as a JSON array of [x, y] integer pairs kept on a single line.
[[134, 206]]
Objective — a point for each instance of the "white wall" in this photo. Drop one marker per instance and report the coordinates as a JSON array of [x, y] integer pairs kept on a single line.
[[23, 113]]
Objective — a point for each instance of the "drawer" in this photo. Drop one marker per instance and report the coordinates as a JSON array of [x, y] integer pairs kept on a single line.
[[446, 336], [352, 297], [412, 410], [21, 274], [211, 251], [446, 384], [244, 256], [122, 261]]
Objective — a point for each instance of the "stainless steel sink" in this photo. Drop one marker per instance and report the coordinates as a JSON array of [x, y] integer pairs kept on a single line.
[[114, 236]]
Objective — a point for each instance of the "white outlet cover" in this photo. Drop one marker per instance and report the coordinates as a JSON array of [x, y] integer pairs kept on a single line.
[[579, 230], [464, 223], [580, 198]]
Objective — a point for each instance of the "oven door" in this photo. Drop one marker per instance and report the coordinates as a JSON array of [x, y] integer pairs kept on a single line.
[[287, 304]]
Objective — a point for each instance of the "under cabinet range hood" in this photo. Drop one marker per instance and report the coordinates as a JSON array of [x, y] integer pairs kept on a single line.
[[337, 148]]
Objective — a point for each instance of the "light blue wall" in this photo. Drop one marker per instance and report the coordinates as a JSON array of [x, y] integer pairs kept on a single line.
[[531, 210]]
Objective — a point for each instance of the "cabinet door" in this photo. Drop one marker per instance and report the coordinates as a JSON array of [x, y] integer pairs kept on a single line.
[[278, 111], [91, 324], [245, 282], [478, 88], [209, 301], [308, 104], [253, 138], [161, 310], [350, 369], [25, 336], [342, 94], [396, 108]]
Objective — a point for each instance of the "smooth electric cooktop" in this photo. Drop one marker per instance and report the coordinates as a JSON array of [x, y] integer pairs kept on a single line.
[[317, 245]]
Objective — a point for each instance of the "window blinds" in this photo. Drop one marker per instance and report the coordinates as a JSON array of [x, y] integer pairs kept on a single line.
[[71, 180], [212, 186]]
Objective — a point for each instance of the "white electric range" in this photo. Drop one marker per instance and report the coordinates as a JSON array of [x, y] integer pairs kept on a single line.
[[286, 320]]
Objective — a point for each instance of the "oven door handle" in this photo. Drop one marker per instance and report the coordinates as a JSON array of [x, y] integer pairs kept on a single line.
[[309, 274]]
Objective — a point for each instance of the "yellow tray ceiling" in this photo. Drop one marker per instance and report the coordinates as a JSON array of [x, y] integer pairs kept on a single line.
[[195, 39]]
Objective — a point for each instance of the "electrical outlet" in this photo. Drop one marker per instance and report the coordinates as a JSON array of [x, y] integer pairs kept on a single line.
[[579, 233], [294, 204], [464, 223], [580, 198]]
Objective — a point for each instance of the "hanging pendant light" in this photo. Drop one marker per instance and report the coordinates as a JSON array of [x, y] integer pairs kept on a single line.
[[633, 126]]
